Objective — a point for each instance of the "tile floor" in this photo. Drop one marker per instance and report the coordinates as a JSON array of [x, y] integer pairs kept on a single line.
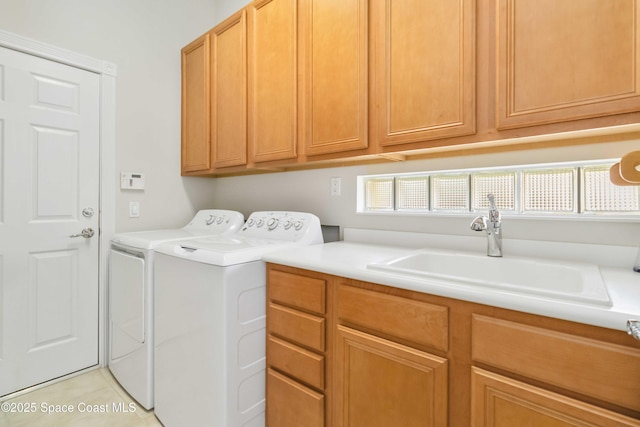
[[95, 389]]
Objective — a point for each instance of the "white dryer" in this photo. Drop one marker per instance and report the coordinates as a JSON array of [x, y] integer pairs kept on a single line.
[[130, 352], [210, 321]]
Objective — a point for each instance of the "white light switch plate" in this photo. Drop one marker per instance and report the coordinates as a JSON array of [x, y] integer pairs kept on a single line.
[[134, 209]]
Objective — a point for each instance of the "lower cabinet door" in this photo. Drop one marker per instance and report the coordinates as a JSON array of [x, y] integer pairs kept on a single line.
[[380, 383], [291, 404], [498, 401]]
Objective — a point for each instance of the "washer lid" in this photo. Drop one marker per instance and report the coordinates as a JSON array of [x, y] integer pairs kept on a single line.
[[222, 251], [151, 239], [206, 222]]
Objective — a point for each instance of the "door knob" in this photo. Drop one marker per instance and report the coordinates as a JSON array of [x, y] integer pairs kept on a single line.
[[86, 233]]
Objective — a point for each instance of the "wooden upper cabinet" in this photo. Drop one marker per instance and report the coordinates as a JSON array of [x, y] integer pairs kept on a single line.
[[423, 82], [229, 91], [196, 147], [273, 94], [334, 70], [561, 60]]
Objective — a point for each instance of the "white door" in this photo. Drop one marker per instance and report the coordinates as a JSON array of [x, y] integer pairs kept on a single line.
[[49, 176]]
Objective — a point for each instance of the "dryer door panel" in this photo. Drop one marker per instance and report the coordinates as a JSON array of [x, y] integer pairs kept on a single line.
[[126, 300]]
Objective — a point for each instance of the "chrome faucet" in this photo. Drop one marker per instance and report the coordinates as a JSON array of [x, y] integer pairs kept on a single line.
[[493, 226]]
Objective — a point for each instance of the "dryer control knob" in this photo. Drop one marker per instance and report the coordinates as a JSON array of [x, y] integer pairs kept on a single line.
[[250, 222], [287, 224], [220, 219], [272, 223], [298, 225], [210, 220], [260, 223]]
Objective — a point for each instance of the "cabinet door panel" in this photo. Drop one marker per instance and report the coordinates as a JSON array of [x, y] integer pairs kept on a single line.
[[196, 147], [424, 69], [334, 83], [563, 59], [382, 383], [229, 92], [273, 113], [498, 401]]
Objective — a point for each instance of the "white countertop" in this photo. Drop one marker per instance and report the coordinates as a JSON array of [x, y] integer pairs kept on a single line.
[[348, 259]]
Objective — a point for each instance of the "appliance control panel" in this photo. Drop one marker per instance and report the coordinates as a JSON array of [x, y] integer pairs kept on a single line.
[[217, 220], [298, 227]]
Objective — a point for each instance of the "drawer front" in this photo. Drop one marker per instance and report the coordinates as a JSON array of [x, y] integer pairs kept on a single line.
[[292, 404], [301, 328], [604, 371], [301, 364], [407, 319], [297, 291]]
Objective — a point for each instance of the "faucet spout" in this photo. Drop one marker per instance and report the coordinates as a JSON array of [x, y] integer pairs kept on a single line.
[[493, 226]]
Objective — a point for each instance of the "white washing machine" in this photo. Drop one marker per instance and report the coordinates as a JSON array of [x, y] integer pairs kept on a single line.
[[130, 354], [210, 321]]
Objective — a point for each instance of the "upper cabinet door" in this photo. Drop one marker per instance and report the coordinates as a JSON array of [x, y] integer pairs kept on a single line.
[[196, 146], [229, 91], [560, 60], [423, 70], [273, 99], [334, 69]]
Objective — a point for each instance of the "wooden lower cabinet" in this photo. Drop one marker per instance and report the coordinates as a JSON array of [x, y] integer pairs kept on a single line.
[[380, 383], [345, 353], [498, 401], [296, 347], [292, 404]]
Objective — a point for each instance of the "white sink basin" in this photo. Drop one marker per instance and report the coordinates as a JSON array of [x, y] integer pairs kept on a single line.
[[572, 281]]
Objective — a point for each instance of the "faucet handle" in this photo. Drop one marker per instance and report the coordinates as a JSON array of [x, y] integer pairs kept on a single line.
[[494, 214], [479, 223]]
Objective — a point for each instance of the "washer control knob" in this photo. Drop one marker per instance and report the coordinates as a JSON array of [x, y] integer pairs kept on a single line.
[[287, 224], [259, 222], [272, 223], [210, 220], [298, 225], [250, 222], [220, 219]]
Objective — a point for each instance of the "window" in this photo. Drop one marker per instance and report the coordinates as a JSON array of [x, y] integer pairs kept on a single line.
[[567, 189]]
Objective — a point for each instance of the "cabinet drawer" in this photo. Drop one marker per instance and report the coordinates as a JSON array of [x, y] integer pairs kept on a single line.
[[415, 321], [301, 328], [292, 404], [605, 371], [301, 364], [297, 291]]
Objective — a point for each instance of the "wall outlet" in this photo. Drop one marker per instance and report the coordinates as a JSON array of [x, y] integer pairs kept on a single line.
[[336, 182]]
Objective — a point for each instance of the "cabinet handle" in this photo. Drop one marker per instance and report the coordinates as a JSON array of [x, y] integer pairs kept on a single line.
[[633, 328]]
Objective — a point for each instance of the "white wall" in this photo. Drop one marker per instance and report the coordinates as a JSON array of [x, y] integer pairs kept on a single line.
[[143, 38]]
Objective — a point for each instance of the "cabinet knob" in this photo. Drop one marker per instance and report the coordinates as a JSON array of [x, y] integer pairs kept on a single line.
[[633, 328]]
